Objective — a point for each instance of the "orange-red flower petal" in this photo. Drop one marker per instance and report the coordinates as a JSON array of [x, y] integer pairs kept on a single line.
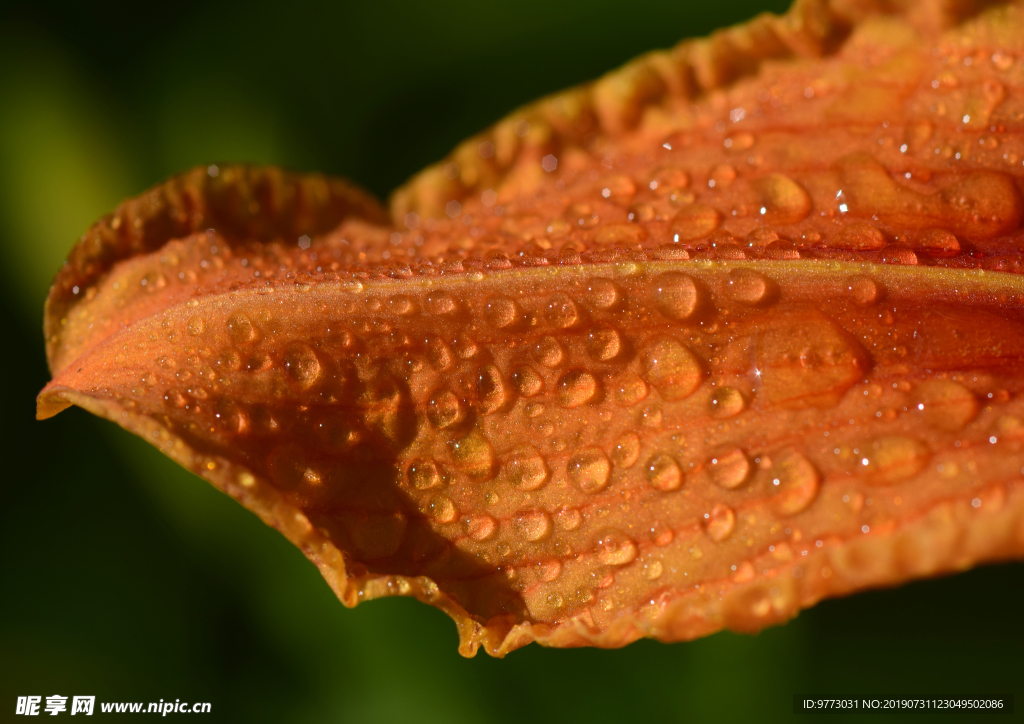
[[736, 328]]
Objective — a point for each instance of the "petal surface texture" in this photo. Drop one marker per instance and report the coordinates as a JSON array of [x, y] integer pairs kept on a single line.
[[730, 330]]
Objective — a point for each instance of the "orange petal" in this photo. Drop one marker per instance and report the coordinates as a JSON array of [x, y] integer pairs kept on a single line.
[[730, 331]]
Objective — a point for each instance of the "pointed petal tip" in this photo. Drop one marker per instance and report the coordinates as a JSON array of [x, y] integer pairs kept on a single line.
[[50, 403]]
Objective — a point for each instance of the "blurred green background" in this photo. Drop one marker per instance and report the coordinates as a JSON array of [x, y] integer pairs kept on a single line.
[[125, 577]]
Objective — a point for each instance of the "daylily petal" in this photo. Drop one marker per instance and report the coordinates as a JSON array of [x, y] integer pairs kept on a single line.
[[734, 329]]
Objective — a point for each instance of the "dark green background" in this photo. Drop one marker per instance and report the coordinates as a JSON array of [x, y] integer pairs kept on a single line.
[[127, 578]]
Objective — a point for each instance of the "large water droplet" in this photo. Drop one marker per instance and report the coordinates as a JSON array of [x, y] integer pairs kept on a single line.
[[444, 409], [548, 352], [694, 221], [526, 469], [857, 236], [589, 470], [527, 381], [603, 293], [937, 242], [424, 475], [663, 473], [615, 548], [865, 291], [730, 469], [804, 360], [749, 287], [653, 570], [561, 311], [783, 200], [490, 388], [629, 389], [481, 527], [795, 481], [576, 387], [501, 312], [603, 344], [241, 328], [473, 455], [443, 509], [302, 364], [534, 525], [438, 353], [720, 522], [441, 303], [626, 450], [727, 402], [402, 305], [568, 518], [676, 295], [945, 404], [671, 368], [893, 459]]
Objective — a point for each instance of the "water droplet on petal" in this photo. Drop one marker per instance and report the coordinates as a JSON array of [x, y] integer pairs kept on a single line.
[[865, 291], [937, 242], [576, 387], [603, 344], [241, 328], [589, 470], [568, 518], [720, 522], [671, 368], [731, 469], [748, 287], [694, 221], [893, 459], [443, 509], [727, 402], [676, 295], [603, 293], [663, 473], [795, 481], [438, 354], [444, 409], [490, 388], [548, 352], [783, 200], [423, 475], [501, 312], [561, 311], [527, 381], [945, 404], [526, 469], [481, 527], [195, 326], [804, 360], [302, 364], [615, 548], [857, 236], [534, 525], [441, 303], [473, 455], [653, 570], [626, 450], [630, 389], [898, 254], [288, 466], [402, 305]]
